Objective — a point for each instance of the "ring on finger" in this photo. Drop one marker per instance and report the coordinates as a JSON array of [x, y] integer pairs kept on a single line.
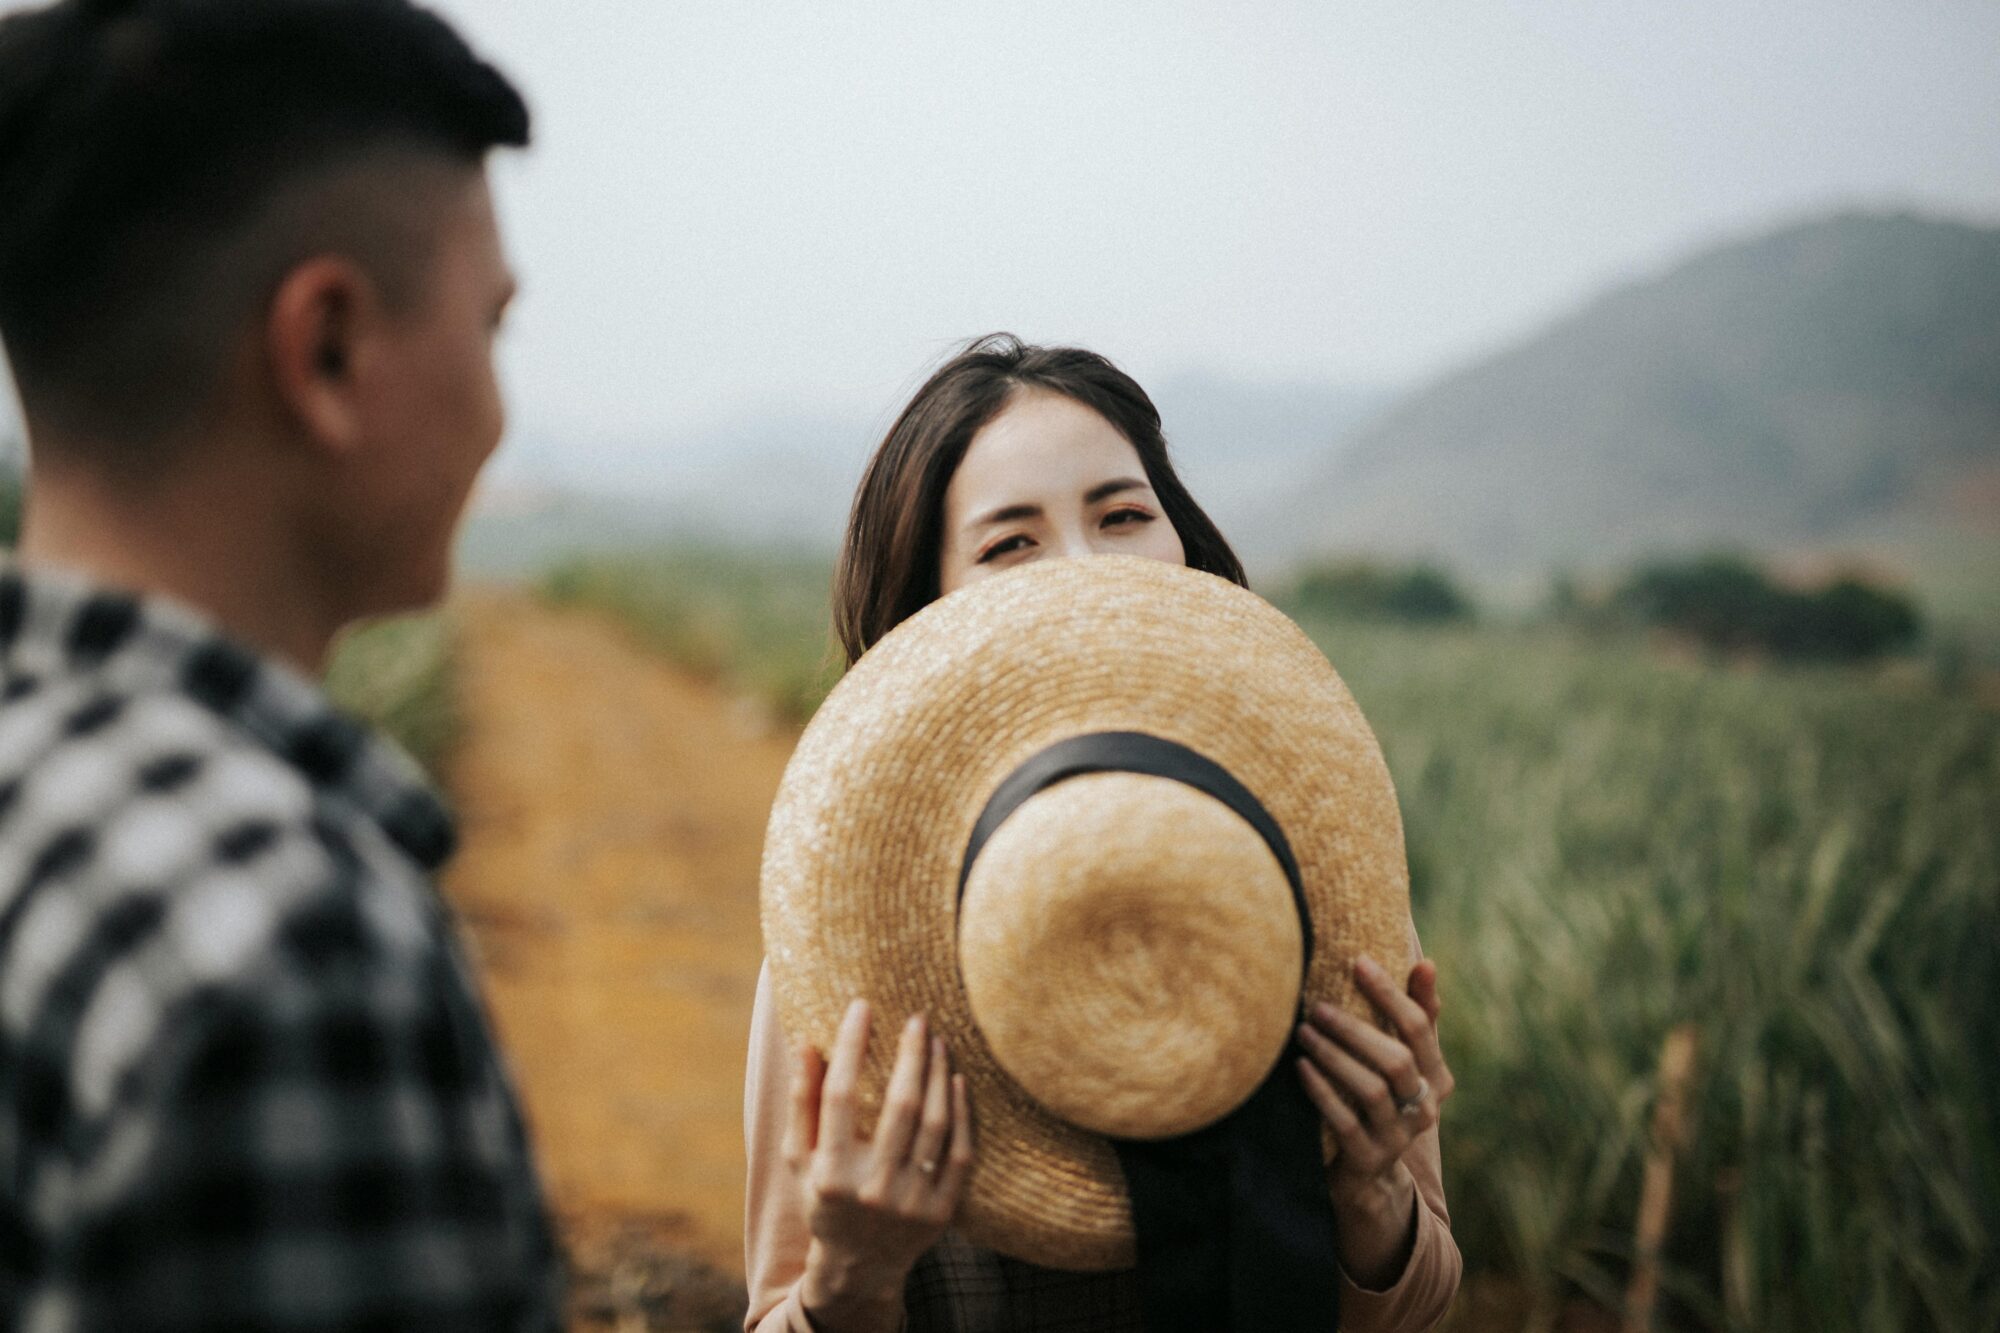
[[928, 1168], [1413, 1104]]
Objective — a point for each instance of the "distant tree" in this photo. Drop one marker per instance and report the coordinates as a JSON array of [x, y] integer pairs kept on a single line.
[[1728, 604], [1723, 601], [1422, 594], [1851, 621]]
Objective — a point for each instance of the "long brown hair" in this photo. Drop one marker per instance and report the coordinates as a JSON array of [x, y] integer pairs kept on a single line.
[[889, 560]]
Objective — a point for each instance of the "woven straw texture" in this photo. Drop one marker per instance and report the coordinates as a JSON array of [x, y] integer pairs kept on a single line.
[[861, 864], [1131, 952]]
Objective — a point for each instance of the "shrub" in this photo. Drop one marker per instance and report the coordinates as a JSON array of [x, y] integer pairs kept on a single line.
[[1361, 589], [1729, 605]]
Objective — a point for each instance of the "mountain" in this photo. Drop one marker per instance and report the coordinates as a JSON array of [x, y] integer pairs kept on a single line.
[[1831, 386], [786, 475], [1236, 441], [779, 474]]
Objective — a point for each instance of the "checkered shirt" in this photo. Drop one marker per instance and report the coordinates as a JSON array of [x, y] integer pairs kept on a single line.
[[246, 1081]]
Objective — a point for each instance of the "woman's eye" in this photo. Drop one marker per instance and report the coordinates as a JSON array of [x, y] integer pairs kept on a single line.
[[1122, 516], [1005, 547]]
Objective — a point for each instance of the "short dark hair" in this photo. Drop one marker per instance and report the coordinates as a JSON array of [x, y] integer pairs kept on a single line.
[[140, 138], [889, 560]]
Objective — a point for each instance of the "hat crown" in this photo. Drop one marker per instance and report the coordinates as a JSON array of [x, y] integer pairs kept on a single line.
[[1131, 954]]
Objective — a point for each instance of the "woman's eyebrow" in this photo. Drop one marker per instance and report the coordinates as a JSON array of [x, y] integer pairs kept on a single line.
[[1006, 514], [1104, 490]]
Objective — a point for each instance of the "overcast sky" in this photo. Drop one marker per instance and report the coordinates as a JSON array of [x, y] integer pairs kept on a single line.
[[739, 204]]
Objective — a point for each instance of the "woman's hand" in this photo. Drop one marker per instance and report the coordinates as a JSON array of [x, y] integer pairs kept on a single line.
[[1379, 1091], [874, 1203]]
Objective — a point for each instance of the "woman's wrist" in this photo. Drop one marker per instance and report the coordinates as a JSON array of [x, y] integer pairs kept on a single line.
[[850, 1293], [1378, 1225]]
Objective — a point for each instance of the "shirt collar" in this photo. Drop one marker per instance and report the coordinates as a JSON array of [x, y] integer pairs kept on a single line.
[[58, 623]]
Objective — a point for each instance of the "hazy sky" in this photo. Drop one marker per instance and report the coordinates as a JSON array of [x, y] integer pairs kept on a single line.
[[741, 204]]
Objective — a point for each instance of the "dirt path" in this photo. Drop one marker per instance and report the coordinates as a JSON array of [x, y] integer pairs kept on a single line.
[[613, 812]]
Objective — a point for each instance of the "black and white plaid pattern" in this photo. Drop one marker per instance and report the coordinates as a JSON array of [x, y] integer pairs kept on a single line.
[[245, 1078]]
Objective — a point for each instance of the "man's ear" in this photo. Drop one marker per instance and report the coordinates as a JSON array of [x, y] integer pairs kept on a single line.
[[315, 337]]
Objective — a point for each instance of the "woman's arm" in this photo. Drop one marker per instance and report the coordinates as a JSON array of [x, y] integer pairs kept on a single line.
[[775, 1238], [1380, 1093], [835, 1219], [1421, 1291]]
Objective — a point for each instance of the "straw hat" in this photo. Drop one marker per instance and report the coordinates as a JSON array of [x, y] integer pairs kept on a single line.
[[1123, 958]]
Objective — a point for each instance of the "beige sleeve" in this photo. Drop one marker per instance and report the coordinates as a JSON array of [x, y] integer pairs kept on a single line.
[[775, 1239], [1419, 1298]]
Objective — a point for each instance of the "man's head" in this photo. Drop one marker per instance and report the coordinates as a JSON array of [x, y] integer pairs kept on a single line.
[[265, 220]]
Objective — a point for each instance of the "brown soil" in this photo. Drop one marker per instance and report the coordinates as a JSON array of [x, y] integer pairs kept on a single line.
[[613, 811]]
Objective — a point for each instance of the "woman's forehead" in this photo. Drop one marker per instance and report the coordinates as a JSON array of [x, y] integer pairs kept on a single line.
[[1041, 447]]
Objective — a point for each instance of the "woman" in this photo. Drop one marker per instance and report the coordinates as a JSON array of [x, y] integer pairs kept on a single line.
[[1010, 454]]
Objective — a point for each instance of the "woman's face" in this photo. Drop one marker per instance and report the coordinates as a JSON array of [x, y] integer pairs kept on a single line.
[[1048, 478]]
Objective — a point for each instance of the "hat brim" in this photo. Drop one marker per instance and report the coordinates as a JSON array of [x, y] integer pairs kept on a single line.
[[862, 859]]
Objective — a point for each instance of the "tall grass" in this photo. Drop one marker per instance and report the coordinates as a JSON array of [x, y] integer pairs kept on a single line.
[[399, 674], [756, 622], [1805, 868], [1804, 865]]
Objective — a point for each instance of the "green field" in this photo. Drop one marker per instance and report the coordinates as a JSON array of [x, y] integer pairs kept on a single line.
[[756, 624], [1804, 865], [398, 674]]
